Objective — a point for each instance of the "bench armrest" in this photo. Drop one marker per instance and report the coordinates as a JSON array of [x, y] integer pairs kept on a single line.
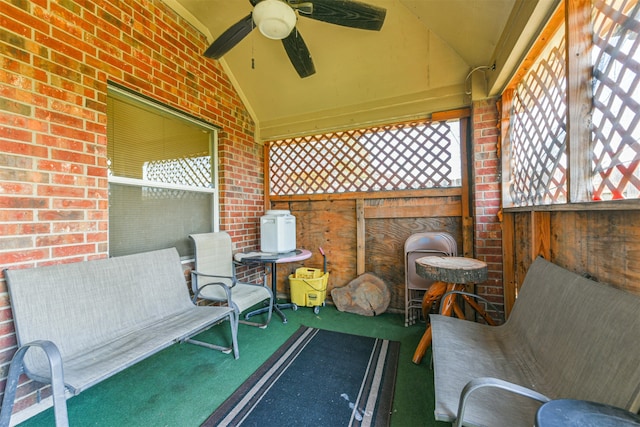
[[197, 289], [469, 294], [16, 368], [265, 272], [478, 383], [232, 278]]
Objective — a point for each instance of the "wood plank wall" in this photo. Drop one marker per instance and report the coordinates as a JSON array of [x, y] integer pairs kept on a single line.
[[365, 232], [601, 244]]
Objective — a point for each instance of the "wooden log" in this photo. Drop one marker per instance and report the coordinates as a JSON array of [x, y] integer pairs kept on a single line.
[[433, 294], [422, 347], [477, 307], [458, 270]]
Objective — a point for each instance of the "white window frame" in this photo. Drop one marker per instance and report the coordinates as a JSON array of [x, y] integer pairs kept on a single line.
[[214, 190]]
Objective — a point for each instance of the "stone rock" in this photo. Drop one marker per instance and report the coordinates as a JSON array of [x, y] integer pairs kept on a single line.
[[367, 295]]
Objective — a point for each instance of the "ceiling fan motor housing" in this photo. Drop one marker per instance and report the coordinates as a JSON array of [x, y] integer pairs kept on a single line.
[[274, 18]]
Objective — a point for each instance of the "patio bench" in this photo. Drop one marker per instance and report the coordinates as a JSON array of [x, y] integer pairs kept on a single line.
[[80, 323], [567, 337]]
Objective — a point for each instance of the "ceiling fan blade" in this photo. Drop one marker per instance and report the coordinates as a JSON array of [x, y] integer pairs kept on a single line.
[[347, 13], [299, 54], [231, 37]]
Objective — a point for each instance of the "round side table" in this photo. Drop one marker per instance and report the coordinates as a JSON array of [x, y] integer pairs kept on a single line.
[[449, 274], [579, 413]]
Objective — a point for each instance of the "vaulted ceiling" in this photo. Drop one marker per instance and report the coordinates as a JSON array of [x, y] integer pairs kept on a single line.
[[420, 62]]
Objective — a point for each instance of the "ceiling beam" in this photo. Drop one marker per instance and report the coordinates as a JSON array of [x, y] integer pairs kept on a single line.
[[526, 21]]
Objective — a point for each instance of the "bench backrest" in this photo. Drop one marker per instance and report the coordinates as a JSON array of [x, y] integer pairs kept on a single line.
[[82, 305], [582, 335]]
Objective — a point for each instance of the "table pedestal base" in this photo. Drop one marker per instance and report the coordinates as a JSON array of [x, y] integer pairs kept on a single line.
[[449, 306], [277, 308], [433, 294]]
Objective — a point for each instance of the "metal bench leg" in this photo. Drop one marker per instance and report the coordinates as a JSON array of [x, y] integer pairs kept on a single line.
[[57, 383]]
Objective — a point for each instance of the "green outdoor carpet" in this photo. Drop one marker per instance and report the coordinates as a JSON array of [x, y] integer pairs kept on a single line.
[[184, 384]]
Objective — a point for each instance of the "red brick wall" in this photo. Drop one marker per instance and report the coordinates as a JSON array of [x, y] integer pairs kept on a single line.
[[56, 60], [487, 197]]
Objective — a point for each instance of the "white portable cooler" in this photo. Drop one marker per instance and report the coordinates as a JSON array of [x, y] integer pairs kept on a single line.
[[277, 232]]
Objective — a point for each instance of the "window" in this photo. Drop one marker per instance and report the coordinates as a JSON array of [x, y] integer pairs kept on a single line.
[[162, 176]]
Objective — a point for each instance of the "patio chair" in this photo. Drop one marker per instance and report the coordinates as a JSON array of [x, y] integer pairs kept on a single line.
[[214, 264], [417, 246]]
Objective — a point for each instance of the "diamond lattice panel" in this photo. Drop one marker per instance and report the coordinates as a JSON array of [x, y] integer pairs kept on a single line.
[[616, 100], [538, 161], [398, 157]]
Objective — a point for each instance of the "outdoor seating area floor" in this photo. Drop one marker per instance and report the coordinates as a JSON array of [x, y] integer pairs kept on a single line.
[[184, 384]]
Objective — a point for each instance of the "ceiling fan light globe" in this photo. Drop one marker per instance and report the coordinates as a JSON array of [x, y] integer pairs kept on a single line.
[[274, 19]]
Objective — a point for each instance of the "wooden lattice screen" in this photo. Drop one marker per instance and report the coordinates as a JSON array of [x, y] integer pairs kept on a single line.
[[616, 100], [395, 157], [538, 163]]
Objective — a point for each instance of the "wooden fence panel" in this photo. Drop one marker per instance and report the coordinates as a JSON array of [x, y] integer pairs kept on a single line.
[[330, 225], [385, 247], [601, 244], [382, 226]]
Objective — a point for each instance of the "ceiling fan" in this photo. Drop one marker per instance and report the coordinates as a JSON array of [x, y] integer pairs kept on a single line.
[[276, 19]]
